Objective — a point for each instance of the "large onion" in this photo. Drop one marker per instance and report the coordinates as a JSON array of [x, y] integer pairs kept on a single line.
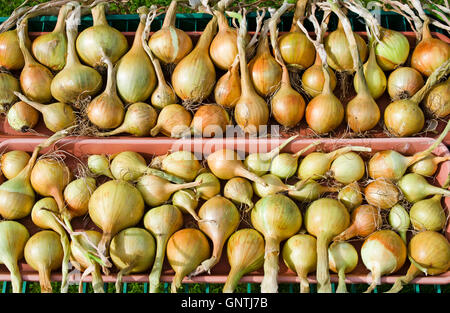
[[223, 48]]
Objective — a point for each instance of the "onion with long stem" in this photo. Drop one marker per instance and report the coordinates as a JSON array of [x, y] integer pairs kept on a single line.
[[343, 259], [273, 185], [313, 78], [415, 187], [399, 220], [365, 220], [228, 88], [223, 49], [187, 201], [309, 190], [429, 165]]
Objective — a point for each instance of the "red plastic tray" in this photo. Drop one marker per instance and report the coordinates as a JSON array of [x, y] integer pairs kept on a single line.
[[78, 150]]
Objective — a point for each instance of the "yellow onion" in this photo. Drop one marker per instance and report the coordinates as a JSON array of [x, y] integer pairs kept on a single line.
[[187, 201], [170, 44], [161, 222], [399, 220], [383, 253], [8, 84], [173, 120], [430, 53], [273, 185], [313, 78], [11, 56], [77, 194], [325, 218], [98, 164], [210, 120], [163, 94], [186, 249], [392, 50], [300, 255], [210, 186], [12, 162], [100, 40], [194, 76], [428, 214], [307, 191], [135, 75], [219, 218], [57, 116], [429, 165], [107, 110], [343, 259], [365, 220], [22, 117], [245, 252], [381, 193], [348, 167], [182, 164], [351, 196], [278, 218], [139, 119], [13, 238], [44, 253], [437, 102], [132, 251], [228, 88], [415, 187], [429, 252], [240, 191], [51, 49], [223, 48], [404, 82]]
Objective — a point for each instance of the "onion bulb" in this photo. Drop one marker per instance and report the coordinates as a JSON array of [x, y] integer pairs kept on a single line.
[[273, 185], [325, 218], [309, 190], [428, 214], [11, 56], [313, 78], [399, 220], [245, 252], [77, 194], [383, 253], [173, 120], [278, 218], [8, 84], [348, 167], [240, 191], [170, 44], [300, 255], [219, 218], [228, 88], [182, 164], [132, 251], [223, 49], [194, 76], [343, 259], [415, 187], [210, 120], [392, 50], [381, 193], [22, 117], [351, 196], [404, 82], [13, 238], [428, 166], [12, 162], [100, 40], [186, 249], [161, 222], [365, 220], [187, 201], [44, 253], [209, 187], [98, 164], [437, 102]]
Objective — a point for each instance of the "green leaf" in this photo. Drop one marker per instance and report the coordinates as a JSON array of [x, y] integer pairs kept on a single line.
[[234, 15]]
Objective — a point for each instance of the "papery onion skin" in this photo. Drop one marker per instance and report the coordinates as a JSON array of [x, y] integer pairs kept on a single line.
[[313, 79], [392, 50], [11, 57], [365, 220], [437, 100], [228, 88], [172, 121], [183, 164], [223, 47], [351, 196], [77, 194], [13, 162], [324, 113], [22, 117], [296, 50], [403, 118], [404, 82], [210, 120], [382, 194]]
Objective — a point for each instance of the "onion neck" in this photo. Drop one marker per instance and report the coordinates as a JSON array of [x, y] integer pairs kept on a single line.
[[122, 272], [38, 106], [171, 14], [426, 34], [110, 88], [347, 234], [22, 34], [322, 273], [234, 276], [342, 287], [412, 273], [155, 274], [272, 154], [65, 263], [242, 172], [97, 280], [44, 280], [16, 278], [299, 153], [222, 21], [175, 187], [72, 57], [61, 21], [376, 278], [207, 36], [303, 277], [137, 41], [298, 14], [269, 283], [247, 88], [176, 282], [98, 14]]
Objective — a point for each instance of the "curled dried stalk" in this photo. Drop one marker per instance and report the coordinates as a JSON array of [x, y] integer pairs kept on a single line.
[[418, 6], [404, 10], [371, 22]]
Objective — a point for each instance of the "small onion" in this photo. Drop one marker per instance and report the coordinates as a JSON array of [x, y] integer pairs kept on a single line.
[[182, 164], [382, 194], [404, 82], [209, 186], [399, 220], [343, 259], [22, 117], [309, 191], [365, 220], [392, 50], [429, 165], [173, 120], [187, 201], [313, 78], [273, 185], [240, 191], [77, 194], [98, 164], [348, 167], [223, 48], [415, 187], [8, 84], [437, 101], [228, 88], [428, 214], [210, 120], [351, 196], [11, 56], [13, 162]]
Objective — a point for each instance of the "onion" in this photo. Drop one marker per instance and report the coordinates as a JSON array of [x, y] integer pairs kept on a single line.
[[284, 165], [430, 253], [430, 53], [84, 263], [8, 84], [100, 40], [161, 222], [139, 119], [187, 201], [415, 187], [13, 162], [381, 193], [132, 251], [428, 214], [156, 190], [343, 259], [210, 120], [392, 50], [22, 117], [351, 196], [223, 48], [57, 116], [182, 164], [399, 220], [209, 187], [194, 76], [309, 191], [245, 251], [404, 82], [260, 163], [365, 220], [135, 75], [77, 194], [228, 88], [114, 213], [44, 253], [170, 44], [42, 216], [392, 165], [428, 166], [325, 218], [186, 249], [437, 101], [313, 78], [219, 218], [251, 110], [17, 196], [316, 164], [383, 253], [11, 56], [240, 191], [35, 79], [348, 167], [278, 218], [98, 164], [51, 49], [225, 164], [173, 121], [74, 79], [273, 185], [300, 255], [13, 237]]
